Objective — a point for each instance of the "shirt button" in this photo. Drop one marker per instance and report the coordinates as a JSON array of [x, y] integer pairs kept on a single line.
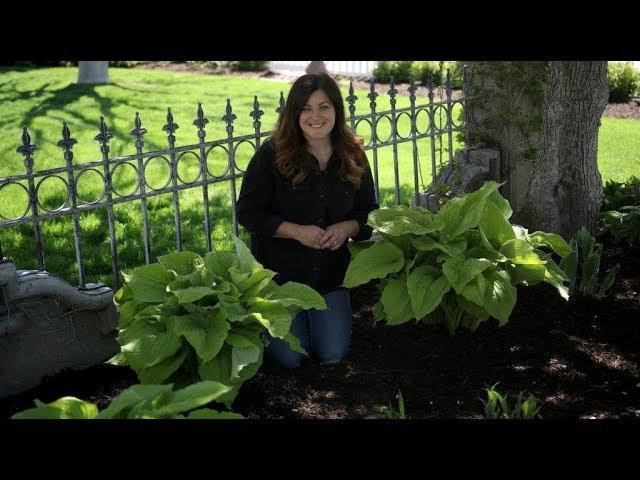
[[320, 220], [322, 196], [316, 268]]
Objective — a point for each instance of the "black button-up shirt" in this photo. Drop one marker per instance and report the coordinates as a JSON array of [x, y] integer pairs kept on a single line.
[[268, 198]]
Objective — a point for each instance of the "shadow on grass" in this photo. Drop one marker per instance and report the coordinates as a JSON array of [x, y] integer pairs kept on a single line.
[[58, 101], [59, 246]]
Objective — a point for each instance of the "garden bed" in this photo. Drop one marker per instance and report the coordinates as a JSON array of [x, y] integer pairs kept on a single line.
[[581, 359]]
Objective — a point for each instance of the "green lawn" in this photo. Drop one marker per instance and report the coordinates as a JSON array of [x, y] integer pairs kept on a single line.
[[42, 98]]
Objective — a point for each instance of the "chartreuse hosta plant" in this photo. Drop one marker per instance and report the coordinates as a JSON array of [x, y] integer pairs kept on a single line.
[[188, 318], [140, 401], [457, 267]]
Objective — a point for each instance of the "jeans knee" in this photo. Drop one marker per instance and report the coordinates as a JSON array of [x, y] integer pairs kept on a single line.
[[281, 353], [331, 356]]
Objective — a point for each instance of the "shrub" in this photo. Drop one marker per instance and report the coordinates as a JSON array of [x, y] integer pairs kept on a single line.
[[123, 63], [187, 319], [623, 224], [422, 70], [624, 81], [249, 65], [138, 402], [401, 72], [457, 267], [583, 264]]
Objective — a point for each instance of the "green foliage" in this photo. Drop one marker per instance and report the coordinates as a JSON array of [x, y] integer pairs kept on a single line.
[[402, 71], [623, 224], [518, 90], [139, 402], [188, 318], [123, 63], [582, 264], [234, 65], [391, 413], [621, 194], [250, 65], [497, 406], [624, 81], [457, 267]]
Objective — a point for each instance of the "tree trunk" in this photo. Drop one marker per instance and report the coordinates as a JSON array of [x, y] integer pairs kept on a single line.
[[547, 137], [565, 192], [316, 67], [93, 72]]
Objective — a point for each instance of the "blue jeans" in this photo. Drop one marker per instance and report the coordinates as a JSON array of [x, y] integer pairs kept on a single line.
[[324, 333]]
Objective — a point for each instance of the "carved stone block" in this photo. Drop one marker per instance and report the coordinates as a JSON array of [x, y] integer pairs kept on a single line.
[[47, 325]]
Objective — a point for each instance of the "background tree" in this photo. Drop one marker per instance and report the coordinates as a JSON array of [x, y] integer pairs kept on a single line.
[[93, 72]]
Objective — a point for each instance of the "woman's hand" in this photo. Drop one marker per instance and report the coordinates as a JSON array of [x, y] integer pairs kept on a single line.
[[336, 234], [310, 235]]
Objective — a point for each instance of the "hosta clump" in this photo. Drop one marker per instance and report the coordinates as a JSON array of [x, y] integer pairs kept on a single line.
[[582, 265], [140, 402], [623, 224], [457, 267], [189, 318]]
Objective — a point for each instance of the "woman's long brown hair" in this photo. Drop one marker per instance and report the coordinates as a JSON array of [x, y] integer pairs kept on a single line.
[[289, 142]]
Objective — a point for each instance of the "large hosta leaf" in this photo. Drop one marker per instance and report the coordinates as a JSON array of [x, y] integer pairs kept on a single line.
[[241, 357], [192, 327], [451, 247], [556, 277], [216, 333], [272, 315], [553, 240], [501, 202], [495, 226], [132, 396], [148, 350], [459, 271], [257, 281], [246, 261], [183, 263], [401, 220], [461, 213], [474, 290], [377, 261], [193, 396], [192, 294], [499, 295], [219, 263], [299, 295], [160, 372], [148, 283], [69, 408], [396, 301], [426, 287]]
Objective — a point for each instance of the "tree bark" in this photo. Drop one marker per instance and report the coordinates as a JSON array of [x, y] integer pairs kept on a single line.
[[316, 67], [551, 172], [93, 72], [565, 191]]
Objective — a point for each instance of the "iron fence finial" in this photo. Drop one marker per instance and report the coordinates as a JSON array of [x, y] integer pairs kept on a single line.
[[280, 108]]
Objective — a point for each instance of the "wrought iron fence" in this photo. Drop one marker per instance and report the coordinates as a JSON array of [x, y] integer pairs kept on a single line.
[[440, 133]]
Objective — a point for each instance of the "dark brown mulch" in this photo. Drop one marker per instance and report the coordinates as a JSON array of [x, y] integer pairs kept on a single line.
[[630, 109], [581, 359]]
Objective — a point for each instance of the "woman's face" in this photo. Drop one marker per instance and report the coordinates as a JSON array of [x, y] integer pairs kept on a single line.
[[318, 116]]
